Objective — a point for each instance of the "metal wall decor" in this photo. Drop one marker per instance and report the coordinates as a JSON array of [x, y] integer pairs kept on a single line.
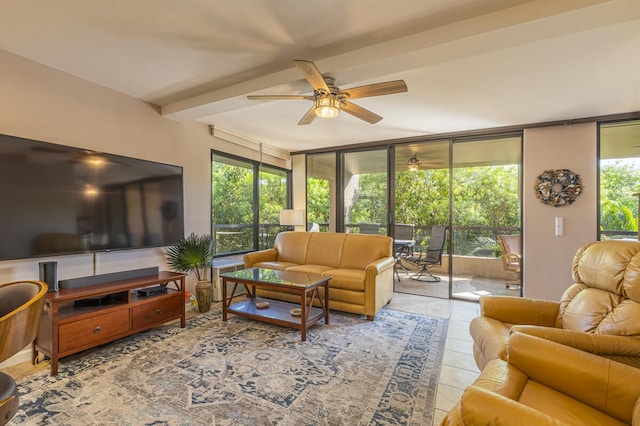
[[558, 187]]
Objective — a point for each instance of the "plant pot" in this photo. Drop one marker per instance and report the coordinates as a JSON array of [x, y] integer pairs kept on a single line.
[[204, 295]]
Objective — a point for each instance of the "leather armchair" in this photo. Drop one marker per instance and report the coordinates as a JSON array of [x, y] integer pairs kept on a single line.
[[20, 311], [546, 383], [599, 313]]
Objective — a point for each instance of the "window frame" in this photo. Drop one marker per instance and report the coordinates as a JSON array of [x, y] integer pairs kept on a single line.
[[256, 169]]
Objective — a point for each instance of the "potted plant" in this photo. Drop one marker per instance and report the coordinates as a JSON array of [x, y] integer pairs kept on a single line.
[[194, 254]]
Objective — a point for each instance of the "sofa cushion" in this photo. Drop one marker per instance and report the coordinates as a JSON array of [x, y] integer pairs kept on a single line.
[[325, 249], [281, 266], [564, 408], [364, 249], [292, 247], [347, 279], [310, 269]]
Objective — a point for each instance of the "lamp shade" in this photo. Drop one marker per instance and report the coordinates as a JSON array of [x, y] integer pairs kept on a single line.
[[327, 106], [292, 217]]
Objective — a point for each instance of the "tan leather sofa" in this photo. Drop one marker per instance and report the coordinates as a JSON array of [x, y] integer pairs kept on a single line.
[[546, 383], [361, 267], [599, 313]]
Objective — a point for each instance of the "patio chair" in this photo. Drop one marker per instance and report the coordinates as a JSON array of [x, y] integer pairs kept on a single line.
[[511, 257], [369, 228], [432, 256], [403, 242]]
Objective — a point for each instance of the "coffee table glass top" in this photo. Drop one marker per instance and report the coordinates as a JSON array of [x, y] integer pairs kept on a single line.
[[272, 276]]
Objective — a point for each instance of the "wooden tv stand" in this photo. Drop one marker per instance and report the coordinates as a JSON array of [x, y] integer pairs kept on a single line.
[[67, 327]]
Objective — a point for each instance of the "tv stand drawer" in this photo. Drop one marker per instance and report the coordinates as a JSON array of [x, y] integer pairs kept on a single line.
[[92, 330], [156, 312]]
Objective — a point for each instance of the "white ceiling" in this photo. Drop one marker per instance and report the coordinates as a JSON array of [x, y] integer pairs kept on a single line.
[[468, 64]]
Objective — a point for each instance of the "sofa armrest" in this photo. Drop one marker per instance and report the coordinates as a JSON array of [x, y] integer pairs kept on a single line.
[[605, 385], [483, 407], [516, 310], [376, 268], [378, 285], [617, 348], [380, 265], [268, 255]]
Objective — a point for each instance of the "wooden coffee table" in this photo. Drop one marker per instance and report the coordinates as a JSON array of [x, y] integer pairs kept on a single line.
[[278, 312]]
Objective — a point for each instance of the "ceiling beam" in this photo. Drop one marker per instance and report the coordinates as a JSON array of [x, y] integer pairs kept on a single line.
[[494, 31]]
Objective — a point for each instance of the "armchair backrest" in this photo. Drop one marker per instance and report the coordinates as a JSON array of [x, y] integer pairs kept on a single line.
[[511, 252], [605, 296], [369, 228], [437, 241], [403, 231], [20, 311], [334, 249]]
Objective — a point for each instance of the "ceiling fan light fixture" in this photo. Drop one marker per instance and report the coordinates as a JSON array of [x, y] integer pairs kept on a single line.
[[413, 163], [95, 160], [327, 106]]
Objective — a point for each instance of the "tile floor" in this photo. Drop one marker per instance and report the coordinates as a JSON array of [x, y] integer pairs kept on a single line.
[[463, 286], [458, 367]]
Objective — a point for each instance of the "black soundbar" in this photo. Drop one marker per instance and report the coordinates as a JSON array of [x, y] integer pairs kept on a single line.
[[105, 278]]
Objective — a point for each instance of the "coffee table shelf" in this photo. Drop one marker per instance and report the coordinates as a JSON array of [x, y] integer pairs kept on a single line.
[[278, 311]]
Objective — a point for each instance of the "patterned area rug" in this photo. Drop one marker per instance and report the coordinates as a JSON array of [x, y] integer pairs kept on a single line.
[[243, 372]]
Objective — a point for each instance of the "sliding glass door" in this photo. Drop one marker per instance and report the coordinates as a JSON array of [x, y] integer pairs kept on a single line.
[[485, 205], [422, 202], [469, 186]]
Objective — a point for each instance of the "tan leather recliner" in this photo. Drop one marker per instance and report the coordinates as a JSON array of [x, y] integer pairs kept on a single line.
[[599, 313], [546, 383]]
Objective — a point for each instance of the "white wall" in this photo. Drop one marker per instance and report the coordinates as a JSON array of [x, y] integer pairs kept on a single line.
[[547, 267]]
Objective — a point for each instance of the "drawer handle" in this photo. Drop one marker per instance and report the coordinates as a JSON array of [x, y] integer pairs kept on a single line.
[[159, 312], [97, 330]]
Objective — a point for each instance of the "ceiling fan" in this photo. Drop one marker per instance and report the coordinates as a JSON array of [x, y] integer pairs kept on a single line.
[[413, 164], [90, 158], [329, 100]]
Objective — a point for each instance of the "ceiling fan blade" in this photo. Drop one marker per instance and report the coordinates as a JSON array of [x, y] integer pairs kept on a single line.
[[308, 117], [359, 112], [312, 74], [279, 97], [378, 89]]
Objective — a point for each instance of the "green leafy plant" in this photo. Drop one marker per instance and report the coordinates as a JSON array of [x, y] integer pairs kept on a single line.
[[191, 254]]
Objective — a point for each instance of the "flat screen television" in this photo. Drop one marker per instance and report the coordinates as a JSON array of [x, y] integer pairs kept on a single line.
[[58, 200]]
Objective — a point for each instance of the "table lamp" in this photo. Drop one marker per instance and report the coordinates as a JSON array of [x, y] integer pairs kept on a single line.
[[290, 217]]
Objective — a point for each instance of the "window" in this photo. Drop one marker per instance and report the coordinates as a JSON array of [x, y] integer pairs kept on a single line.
[[619, 179], [273, 194], [321, 187], [245, 203]]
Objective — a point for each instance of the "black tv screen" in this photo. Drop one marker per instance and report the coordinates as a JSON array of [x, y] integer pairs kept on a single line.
[[61, 200]]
